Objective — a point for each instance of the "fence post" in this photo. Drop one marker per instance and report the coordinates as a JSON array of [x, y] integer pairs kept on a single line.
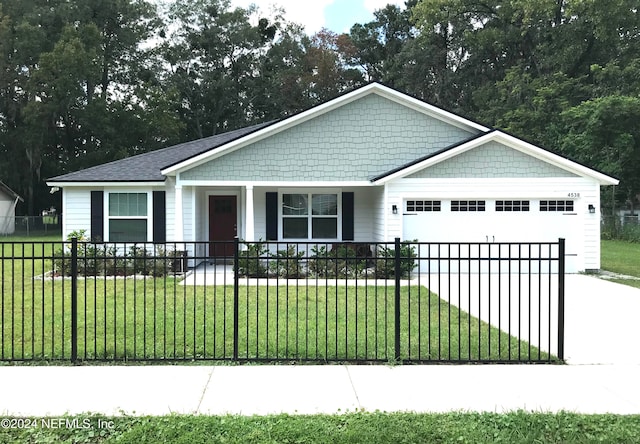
[[236, 282], [561, 271], [397, 260], [74, 299]]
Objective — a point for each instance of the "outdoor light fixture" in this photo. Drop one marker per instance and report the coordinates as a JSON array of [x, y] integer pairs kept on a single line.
[[592, 209], [394, 209]]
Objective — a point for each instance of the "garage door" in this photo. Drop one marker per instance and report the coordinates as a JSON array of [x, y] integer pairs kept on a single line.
[[493, 221]]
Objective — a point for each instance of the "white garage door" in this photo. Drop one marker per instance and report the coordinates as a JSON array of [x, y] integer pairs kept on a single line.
[[495, 221]]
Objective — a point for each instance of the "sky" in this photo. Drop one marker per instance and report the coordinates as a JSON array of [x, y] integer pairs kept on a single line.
[[336, 15]]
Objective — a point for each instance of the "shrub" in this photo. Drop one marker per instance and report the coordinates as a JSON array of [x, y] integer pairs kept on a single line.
[[342, 261], [250, 261], [103, 259], [287, 264], [386, 265]]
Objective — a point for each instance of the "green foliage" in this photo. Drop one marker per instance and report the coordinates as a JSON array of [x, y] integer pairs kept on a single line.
[[251, 260], [287, 264], [613, 229], [341, 261], [95, 259], [385, 262]]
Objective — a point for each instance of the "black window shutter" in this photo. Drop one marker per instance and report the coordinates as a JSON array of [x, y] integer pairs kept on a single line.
[[272, 216], [348, 231], [97, 216], [159, 217]]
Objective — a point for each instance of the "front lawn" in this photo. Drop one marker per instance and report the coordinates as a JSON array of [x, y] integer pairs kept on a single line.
[[512, 428], [158, 318], [623, 258], [620, 257]]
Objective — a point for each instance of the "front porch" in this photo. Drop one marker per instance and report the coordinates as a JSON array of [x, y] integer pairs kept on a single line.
[[216, 213]]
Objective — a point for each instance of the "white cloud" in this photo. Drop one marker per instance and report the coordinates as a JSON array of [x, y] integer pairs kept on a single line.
[[310, 14], [372, 5]]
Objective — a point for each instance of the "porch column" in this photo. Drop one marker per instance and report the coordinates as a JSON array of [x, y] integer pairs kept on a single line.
[[249, 229], [178, 220]]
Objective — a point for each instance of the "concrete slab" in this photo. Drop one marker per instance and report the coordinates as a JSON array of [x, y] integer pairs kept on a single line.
[[112, 390], [601, 322], [260, 390], [497, 388]]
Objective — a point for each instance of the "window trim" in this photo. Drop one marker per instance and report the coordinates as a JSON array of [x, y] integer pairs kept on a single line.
[[309, 192], [148, 217]]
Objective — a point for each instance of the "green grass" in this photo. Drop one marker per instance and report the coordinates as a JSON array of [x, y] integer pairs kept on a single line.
[[620, 257], [158, 318], [155, 318], [623, 258], [512, 428]]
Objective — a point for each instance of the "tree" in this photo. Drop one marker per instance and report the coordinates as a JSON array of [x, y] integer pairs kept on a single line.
[[604, 133]]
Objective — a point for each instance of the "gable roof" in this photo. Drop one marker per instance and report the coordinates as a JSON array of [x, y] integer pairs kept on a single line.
[[155, 166], [282, 125], [10, 192], [505, 139], [147, 167]]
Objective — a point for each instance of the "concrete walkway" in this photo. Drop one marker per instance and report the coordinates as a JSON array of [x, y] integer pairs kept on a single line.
[[602, 334]]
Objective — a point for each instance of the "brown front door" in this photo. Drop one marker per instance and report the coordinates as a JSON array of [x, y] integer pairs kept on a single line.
[[223, 220]]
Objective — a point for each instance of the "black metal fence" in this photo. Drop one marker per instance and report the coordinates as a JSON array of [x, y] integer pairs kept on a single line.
[[271, 301]]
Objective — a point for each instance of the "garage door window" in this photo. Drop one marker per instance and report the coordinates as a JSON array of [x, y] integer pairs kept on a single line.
[[556, 205], [468, 205], [414, 206], [512, 205]]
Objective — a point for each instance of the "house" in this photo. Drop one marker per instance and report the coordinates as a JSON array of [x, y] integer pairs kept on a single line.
[[8, 202], [371, 165]]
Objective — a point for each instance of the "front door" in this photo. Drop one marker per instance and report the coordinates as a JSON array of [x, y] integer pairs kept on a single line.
[[223, 225]]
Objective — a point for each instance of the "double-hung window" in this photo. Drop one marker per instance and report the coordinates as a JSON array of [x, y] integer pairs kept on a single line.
[[310, 215], [128, 217]]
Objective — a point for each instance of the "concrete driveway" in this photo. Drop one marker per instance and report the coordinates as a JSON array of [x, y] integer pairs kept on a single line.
[[602, 318], [602, 321]]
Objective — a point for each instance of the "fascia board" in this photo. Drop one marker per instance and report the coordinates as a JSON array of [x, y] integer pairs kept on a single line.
[[105, 184]]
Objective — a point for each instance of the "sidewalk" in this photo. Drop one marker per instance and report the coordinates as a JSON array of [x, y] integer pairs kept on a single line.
[[602, 377], [259, 390]]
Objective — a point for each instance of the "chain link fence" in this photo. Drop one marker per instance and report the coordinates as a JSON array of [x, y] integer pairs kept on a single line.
[[616, 227], [30, 225]]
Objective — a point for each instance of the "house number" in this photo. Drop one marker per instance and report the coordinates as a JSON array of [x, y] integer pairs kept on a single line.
[[573, 194]]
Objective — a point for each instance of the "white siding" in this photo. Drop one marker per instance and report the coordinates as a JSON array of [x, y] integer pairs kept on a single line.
[[582, 191], [378, 208], [76, 210], [7, 215], [187, 216], [170, 209]]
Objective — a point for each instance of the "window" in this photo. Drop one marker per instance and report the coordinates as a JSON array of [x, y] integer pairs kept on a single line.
[[128, 217], [310, 216], [468, 205], [512, 205], [556, 205], [423, 205]]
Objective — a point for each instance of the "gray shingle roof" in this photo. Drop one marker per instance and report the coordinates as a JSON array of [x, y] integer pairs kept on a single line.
[[10, 192], [146, 167]]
